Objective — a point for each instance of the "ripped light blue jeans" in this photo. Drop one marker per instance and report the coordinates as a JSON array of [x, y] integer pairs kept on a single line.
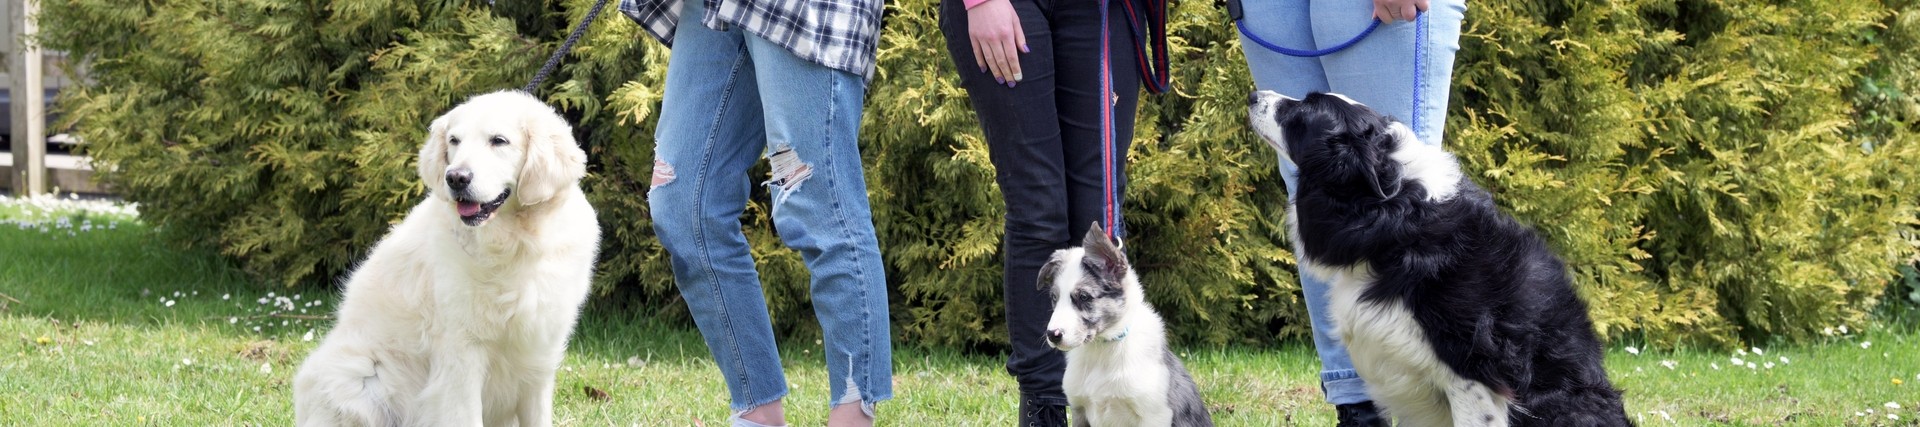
[[1403, 70], [731, 99]]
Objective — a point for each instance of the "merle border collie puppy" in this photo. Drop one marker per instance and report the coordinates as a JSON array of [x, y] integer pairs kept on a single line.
[[1119, 370], [1454, 313]]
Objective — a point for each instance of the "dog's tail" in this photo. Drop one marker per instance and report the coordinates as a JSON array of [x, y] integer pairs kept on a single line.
[[335, 392]]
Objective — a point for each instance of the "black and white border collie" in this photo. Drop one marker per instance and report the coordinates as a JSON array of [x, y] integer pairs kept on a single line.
[[1119, 369], [1454, 313]]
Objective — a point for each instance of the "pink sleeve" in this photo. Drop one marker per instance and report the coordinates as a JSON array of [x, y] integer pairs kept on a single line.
[[972, 3]]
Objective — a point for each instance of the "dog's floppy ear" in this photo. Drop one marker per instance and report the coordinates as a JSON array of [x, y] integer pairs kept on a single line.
[[432, 162], [1104, 253], [1380, 162], [1050, 270], [554, 161]]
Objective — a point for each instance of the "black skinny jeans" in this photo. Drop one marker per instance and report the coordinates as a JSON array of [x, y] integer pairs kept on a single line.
[[1044, 139]]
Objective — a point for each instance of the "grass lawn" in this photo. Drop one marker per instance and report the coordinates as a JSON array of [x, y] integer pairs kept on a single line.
[[100, 324]]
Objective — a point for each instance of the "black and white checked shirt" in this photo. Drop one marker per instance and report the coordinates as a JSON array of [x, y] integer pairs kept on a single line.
[[840, 34]]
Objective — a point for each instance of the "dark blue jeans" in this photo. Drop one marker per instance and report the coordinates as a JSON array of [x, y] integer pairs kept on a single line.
[[1045, 139]]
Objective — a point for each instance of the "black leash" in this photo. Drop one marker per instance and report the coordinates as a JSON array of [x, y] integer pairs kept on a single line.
[[554, 61]]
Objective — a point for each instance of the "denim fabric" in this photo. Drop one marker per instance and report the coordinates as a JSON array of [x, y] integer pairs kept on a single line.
[[732, 98], [1403, 70], [1045, 141]]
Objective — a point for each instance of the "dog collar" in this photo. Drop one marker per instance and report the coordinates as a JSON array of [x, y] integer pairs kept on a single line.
[[1122, 336]]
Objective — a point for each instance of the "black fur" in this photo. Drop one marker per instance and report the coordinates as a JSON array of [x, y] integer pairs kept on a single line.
[[1494, 300], [1183, 395]]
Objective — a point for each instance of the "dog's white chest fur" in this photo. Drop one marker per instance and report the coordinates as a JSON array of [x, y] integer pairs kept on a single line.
[[1391, 352], [1121, 383]]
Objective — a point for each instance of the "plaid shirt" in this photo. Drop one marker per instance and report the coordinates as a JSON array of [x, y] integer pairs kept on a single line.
[[840, 34]]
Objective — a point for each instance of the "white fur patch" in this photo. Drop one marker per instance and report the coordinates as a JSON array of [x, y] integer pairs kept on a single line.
[[1427, 165], [1260, 114], [1391, 352]]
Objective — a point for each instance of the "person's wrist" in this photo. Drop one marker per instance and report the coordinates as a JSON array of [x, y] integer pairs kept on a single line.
[[972, 3]]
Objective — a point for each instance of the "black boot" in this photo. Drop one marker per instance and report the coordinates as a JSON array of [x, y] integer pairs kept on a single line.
[[1039, 414], [1361, 414]]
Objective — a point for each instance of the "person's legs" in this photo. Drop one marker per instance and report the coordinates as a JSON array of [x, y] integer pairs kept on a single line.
[[709, 134], [820, 208], [1403, 70], [1023, 138], [1096, 123], [1288, 23]]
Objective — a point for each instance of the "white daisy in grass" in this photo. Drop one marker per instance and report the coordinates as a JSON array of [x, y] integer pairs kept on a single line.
[[1866, 344], [1737, 361], [1756, 351], [1715, 366], [1739, 352], [1632, 350], [1892, 405]]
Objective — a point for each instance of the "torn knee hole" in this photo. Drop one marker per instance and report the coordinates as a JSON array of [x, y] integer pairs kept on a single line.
[[662, 173], [788, 172]]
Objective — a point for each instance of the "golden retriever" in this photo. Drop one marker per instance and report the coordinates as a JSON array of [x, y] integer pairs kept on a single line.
[[462, 312]]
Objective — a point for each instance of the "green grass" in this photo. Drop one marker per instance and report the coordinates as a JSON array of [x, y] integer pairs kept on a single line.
[[115, 354]]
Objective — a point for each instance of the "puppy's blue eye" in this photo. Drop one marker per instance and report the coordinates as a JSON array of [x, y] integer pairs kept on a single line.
[[498, 140]]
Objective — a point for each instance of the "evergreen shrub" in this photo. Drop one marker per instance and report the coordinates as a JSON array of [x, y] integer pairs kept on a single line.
[[1713, 172]]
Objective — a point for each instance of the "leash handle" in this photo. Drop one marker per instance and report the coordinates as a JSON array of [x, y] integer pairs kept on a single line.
[[554, 60], [1241, 23], [1150, 41]]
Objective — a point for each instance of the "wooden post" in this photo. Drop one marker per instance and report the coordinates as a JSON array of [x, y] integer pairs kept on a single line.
[[29, 102]]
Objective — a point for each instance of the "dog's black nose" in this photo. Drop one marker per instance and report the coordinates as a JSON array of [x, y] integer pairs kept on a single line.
[[1253, 98], [1054, 336], [457, 179]]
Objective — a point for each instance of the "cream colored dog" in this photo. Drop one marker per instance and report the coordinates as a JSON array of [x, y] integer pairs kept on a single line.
[[462, 312]]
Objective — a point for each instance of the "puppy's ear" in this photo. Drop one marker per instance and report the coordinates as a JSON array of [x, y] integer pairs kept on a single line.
[[1104, 253], [432, 162], [554, 161], [1050, 270]]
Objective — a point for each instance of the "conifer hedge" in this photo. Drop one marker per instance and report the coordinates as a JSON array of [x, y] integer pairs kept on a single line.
[[1713, 172]]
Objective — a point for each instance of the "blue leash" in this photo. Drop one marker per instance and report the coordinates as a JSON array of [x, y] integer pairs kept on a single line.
[[1242, 25]]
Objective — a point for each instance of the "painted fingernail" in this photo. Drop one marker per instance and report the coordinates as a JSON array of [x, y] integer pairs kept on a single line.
[[998, 79], [1023, 48], [1017, 77], [983, 69], [1010, 85]]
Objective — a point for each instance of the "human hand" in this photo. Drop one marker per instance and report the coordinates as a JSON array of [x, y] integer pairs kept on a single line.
[[1388, 11], [994, 29]]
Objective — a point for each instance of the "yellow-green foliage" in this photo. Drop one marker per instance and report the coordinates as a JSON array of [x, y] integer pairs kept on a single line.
[[1713, 171]]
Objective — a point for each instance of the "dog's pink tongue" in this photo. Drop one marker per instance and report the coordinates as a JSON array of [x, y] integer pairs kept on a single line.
[[469, 208]]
